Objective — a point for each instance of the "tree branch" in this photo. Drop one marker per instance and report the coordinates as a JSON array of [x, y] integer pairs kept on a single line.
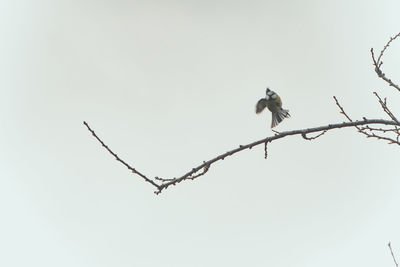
[[205, 166], [133, 170], [378, 62], [385, 107], [370, 132], [391, 251]]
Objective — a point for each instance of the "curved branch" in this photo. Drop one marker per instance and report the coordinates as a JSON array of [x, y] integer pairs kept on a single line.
[[205, 166], [391, 252], [378, 62]]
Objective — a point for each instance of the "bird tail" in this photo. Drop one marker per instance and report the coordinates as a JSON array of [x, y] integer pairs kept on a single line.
[[277, 117]]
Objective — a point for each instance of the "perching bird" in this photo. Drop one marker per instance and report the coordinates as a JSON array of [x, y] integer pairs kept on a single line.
[[274, 103]]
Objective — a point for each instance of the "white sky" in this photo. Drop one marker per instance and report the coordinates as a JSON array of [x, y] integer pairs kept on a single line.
[[168, 84]]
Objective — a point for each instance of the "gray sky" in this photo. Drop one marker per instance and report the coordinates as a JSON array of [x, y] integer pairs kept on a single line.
[[168, 84]]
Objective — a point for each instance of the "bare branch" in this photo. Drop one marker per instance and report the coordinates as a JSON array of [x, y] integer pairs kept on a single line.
[[314, 137], [342, 110], [265, 150], [391, 251], [378, 62], [387, 45], [385, 108], [369, 128], [133, 170], [370, 132], [205, 166]]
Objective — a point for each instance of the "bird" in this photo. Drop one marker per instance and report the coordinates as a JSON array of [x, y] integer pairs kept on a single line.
[[274, 103]]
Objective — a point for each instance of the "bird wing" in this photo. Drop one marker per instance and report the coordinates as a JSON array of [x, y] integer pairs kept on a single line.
[[261, 104]]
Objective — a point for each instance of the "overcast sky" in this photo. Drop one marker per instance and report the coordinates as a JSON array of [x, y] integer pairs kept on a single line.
[[168, 84]]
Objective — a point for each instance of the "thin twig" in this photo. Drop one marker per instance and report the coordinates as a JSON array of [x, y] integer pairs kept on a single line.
[[314, 137], [385, 108], [369, 128], [378, 63], [265, 150], [372, 134], [119, 159], [385, 138], [387, 45], [342, 110], [394, 258]]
